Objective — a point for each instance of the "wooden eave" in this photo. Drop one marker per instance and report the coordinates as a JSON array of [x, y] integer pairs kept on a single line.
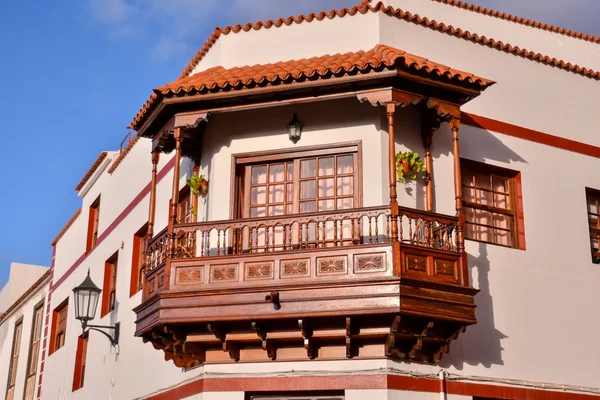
[[303, 92]]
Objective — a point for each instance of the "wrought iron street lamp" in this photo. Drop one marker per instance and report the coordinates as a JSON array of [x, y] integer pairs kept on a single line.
[[295, 129], [86, 301]]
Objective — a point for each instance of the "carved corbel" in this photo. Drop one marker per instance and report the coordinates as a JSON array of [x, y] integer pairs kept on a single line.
[[196, 351], [233, 350], [382, 97], [267, 345], [350, 348], [219, 333], [444, 109], [419, 342], [309, 345], [391, 349]]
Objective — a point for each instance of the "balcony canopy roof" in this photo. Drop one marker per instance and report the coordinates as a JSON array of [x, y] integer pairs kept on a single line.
[[326, 67]]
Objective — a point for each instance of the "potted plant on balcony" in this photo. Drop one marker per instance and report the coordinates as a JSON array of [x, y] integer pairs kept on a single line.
[[198, 187], [408, 165]]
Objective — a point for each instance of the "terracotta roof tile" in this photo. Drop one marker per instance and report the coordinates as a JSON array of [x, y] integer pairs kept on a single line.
[[380, 57], [66, 227], [363, 8], [91, 171], [123, 154], [520, 20]]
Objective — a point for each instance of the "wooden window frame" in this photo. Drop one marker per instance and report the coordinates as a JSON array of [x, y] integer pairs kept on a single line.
[[93, 223], [109, 289], [15, 352], [80, 361], [137, 260], [595, 195], [54, 333], [184, 206], [517, 223], [34, 348], [241, 160]]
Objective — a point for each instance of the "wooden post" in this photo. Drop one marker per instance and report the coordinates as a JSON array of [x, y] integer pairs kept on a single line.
[[391, 109], [195, 172], [427, 141], [460, 238], [151, 208], [175, 193]]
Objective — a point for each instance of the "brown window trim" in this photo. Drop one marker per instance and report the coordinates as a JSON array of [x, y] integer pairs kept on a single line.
[[239, 160], [516, 195], [33, 355], [109, 288], [137, 259], [93, 223], [54, 333], [15, 354], [595, 195], [80, 361]]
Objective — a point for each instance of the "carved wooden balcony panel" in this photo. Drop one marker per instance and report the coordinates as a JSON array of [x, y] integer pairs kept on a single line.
[[325, 285]]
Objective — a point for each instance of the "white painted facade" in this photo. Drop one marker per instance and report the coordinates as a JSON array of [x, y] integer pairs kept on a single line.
[[20, 278], [536, 306]]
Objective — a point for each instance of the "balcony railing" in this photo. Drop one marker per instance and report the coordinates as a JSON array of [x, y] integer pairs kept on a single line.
[[321, 230]]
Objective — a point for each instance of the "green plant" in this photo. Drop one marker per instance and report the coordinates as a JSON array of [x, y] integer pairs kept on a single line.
[[408, 165], [198, 187]]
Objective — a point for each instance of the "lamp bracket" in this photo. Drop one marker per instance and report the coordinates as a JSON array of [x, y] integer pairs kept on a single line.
[[114, 338]]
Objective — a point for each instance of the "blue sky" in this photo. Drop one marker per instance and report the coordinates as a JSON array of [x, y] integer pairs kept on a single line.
[[74, 73]]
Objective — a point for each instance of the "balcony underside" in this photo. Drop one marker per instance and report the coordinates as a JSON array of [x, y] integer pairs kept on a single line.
[[321, 303]]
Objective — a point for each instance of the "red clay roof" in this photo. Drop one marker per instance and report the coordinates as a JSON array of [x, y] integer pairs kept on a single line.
[[91, 171], [363, 8], [66, 227], [520, 20], [123, 154], [380, 57]]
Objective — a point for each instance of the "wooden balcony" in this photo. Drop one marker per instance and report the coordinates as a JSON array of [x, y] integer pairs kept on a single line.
[[326, 285]]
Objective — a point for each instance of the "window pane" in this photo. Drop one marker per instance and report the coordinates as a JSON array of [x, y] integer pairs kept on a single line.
[[483, 217], [484, 197], [326, 205], [307, 168], [345, 203], [345, 186], [592, 206], [501, 201], [326, 166], [258, 195], [469, 194], [483, 233], [275, 210], [290, 192], [502, 237], [502, 221], [326, 187], [290, 172], [276, 173], [345, 164], [468, 179], [276, 194], [307, 206], [483, 181], [307, 190], [290, 209], [257, 212], [259, 175], [500, 184]]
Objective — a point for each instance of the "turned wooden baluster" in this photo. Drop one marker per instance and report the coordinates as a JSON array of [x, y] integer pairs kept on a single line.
[[150, 227], [175, 192], [369, 220]]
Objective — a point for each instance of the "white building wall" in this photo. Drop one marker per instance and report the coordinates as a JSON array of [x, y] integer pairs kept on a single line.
[[561, 47], [20, 278], [530, 301], [293, 42]]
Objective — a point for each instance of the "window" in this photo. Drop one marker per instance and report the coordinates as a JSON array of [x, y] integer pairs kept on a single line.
[[299, 182], [184, 209], [492, 203], [59, 326], [80, 361], [109, 291], [330, 395], [593, 211], [139, 247], [93, 220], [34, 352], [14, 360]]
